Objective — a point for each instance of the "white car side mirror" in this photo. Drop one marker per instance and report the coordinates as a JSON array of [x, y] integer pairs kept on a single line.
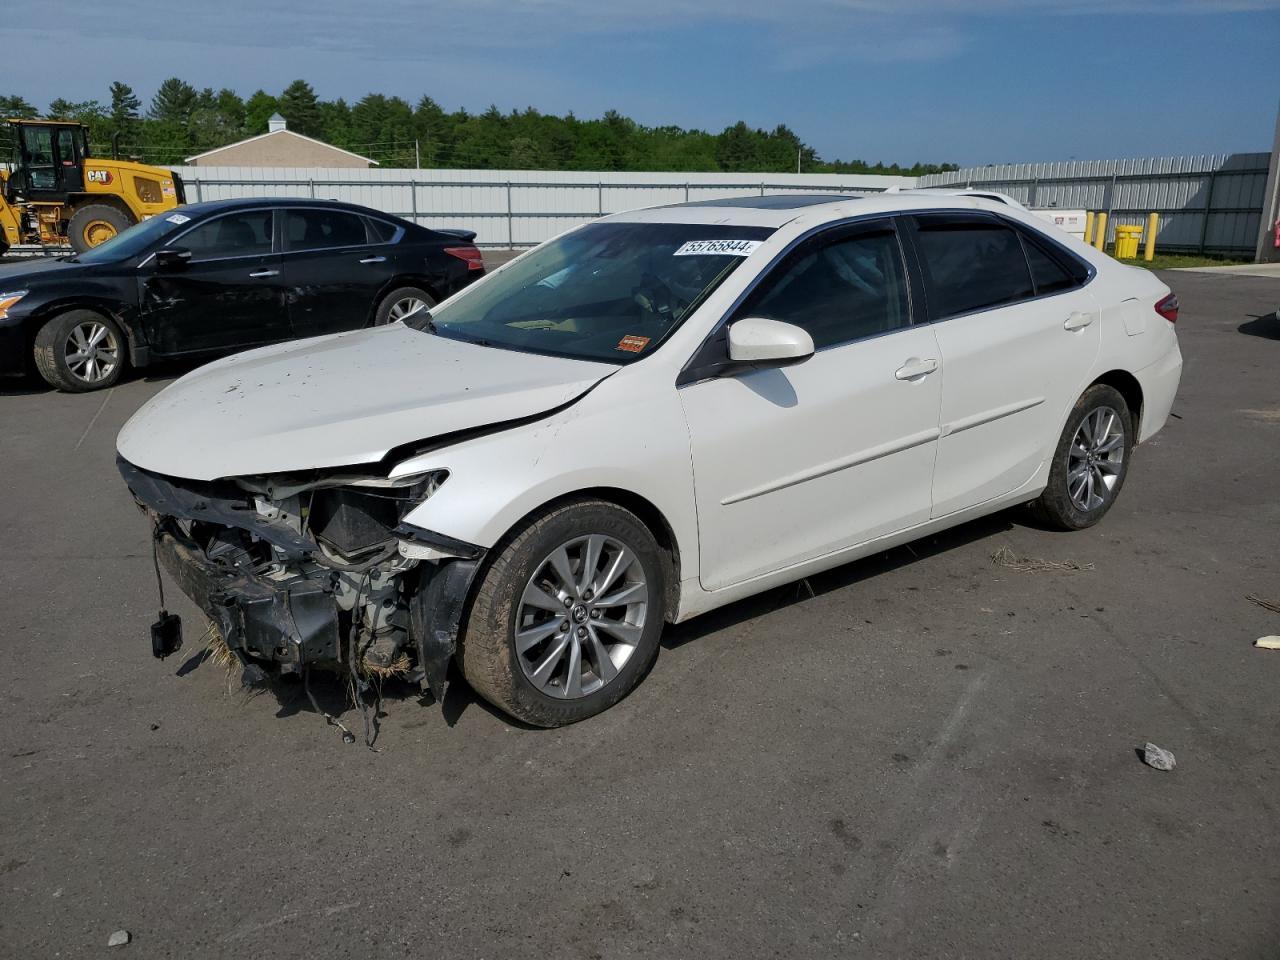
[[755, 339]]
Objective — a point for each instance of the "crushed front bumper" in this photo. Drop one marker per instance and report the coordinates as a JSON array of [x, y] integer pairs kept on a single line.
[[291, 624], [287, 610]]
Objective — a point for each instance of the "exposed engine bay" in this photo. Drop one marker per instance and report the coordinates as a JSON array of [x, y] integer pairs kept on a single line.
[[301, 571]]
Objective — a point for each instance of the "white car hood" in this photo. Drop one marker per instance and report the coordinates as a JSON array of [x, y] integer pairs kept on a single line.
[[340, 400]]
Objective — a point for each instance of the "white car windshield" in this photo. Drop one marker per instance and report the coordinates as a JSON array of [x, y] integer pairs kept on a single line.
[[610, 291]]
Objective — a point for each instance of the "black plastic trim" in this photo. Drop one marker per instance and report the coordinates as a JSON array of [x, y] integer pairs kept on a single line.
[[211, 502], [436, 611]]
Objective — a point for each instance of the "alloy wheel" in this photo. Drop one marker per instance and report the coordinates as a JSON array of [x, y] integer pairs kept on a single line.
[[581, 616], [1095, 459], [405, 308], [92, 351]]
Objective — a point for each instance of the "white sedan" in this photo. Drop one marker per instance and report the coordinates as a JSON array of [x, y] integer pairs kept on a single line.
[[652, 415]]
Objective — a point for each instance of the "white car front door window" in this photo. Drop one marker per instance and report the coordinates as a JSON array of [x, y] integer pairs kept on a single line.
[[1018, 344], [795, 462]]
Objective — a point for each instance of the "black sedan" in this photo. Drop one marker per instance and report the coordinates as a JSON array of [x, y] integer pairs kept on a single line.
[[216, 277]]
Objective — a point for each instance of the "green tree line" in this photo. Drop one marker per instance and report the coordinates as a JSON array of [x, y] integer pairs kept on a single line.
[[181, 121]]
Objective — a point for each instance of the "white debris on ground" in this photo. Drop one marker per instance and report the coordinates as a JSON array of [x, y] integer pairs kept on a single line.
[[1267, 643], [119, 939], [1158, 758]]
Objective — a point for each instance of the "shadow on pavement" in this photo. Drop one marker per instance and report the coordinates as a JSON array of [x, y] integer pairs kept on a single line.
[[847, 575], [1265, 325], [27, 385], [332, 691]]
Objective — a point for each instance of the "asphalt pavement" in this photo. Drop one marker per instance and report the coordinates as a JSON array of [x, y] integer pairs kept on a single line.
[[930, 756]]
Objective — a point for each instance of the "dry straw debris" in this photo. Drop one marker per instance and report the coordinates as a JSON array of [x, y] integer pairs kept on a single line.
[[1005, 557], [399, 668], [1272, 605]]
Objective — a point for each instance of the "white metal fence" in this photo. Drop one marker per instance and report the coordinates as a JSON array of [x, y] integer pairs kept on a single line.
[[1210, 203], [508, 208]]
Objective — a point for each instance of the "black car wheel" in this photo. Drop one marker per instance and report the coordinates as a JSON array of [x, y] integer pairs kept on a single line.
[[80, 350], [403, 303]]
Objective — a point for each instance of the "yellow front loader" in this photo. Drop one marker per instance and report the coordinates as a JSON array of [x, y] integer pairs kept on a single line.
[[54, 193]]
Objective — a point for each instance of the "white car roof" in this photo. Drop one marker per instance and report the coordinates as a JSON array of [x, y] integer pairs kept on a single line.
[[775, 210], [961, 192]]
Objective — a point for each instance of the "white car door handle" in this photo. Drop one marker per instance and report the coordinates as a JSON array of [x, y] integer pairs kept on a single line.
[[915, 368], [264, 273], [1078, 321], [374, 260]]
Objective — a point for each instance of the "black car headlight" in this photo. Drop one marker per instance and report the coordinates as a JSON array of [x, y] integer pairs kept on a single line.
[[9, 300]]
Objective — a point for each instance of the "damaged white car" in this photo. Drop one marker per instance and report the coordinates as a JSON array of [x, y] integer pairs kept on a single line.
[[653, 415]]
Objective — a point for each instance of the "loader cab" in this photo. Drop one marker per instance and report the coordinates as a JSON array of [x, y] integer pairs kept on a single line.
[[47, 160]]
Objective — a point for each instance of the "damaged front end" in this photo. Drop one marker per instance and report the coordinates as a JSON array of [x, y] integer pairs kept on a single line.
[[303, 571]]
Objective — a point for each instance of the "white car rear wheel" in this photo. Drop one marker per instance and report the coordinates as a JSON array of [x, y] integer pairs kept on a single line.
[[1090, 462]]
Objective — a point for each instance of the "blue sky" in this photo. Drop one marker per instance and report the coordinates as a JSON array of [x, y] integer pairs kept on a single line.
[[967, 81]]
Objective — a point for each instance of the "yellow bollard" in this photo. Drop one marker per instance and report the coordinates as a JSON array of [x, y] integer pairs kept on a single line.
[[1088, 226], [1100, 229], [1153, 221]]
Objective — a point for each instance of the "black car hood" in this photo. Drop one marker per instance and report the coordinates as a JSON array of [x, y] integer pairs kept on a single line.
[[21, 273]]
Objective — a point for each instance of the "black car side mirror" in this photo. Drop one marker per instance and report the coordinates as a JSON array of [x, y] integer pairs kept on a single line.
[[171, 257]]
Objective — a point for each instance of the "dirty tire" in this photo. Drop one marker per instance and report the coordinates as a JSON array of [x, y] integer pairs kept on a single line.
[[79, 230], [487, 651], [388, 305], [1055, 507], [50, 351]]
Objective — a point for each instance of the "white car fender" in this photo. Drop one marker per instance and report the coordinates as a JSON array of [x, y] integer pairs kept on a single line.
[[615, 437]]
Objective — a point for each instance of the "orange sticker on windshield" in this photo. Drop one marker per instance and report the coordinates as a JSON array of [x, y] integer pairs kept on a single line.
[[633, 344]]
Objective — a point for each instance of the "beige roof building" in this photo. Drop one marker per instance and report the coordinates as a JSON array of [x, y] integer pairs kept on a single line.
[[279, 147]]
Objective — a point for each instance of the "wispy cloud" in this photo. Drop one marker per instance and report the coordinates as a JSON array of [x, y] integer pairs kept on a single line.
[[420, 30]]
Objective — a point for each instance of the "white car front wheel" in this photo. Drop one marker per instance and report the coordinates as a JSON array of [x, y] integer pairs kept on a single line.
[[566, 620]]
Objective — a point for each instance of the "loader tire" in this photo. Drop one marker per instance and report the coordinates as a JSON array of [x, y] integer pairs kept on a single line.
[[95, 224]]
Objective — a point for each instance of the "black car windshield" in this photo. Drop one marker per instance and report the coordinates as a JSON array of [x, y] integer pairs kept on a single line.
[[131, 242], [609, 291]]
